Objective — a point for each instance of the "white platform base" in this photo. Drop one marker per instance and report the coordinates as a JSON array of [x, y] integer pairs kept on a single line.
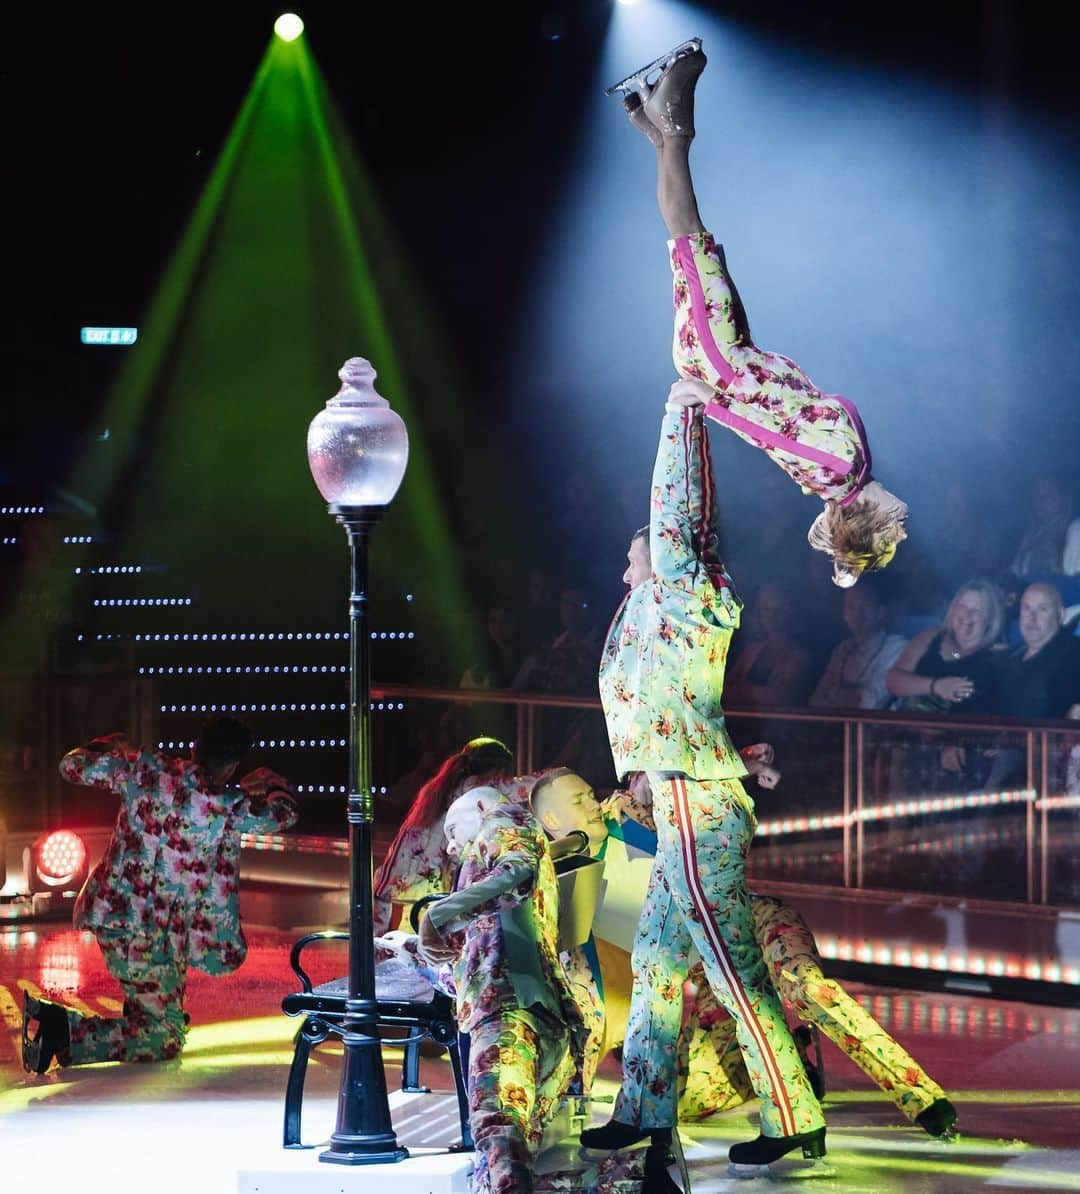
[[422, 1172]]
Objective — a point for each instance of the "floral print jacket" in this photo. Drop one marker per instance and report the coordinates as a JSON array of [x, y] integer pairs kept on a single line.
[[504, 920], [416, 865], [170, 874], [662, 668]]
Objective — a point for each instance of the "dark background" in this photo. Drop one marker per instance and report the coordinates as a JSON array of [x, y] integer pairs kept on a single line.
[[470, 127]]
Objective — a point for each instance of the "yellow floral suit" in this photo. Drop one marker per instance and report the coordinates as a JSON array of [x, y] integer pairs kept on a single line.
[[513, 998], [714, 1074], [661, 682]]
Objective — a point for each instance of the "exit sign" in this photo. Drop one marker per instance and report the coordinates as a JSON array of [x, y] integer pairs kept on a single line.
[[109, 335]]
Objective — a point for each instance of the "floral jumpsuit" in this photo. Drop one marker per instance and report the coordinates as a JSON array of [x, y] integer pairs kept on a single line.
[[765, 398], [715, 1078], [166, 894]]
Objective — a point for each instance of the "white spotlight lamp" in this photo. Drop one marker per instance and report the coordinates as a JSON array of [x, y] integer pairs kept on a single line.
[[288, 26]]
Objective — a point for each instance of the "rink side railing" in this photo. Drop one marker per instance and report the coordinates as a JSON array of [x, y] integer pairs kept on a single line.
[[1035, 795]]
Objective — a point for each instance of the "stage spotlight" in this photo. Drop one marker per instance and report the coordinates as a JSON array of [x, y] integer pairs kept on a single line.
[[288, 26], [56, 863]]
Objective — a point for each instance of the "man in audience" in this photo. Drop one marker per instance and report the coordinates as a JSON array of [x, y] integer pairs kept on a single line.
[[855, 675], [1043, 674]]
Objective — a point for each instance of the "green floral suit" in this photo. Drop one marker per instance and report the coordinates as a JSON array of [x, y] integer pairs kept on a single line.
[[661, 683]]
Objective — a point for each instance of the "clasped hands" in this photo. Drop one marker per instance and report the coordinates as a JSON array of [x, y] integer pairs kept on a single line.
[[688, 391]]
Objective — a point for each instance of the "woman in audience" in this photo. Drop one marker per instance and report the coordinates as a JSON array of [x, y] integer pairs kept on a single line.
[[773, 669], [954, 667]]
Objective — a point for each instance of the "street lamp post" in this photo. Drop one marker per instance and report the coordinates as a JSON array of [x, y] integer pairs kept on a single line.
[[358, 449]]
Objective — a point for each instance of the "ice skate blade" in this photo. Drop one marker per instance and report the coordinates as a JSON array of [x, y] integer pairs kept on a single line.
[[786, 1169], [639, 80]]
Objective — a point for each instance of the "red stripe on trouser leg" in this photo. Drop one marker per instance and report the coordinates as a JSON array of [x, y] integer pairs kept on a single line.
[[723, 958]]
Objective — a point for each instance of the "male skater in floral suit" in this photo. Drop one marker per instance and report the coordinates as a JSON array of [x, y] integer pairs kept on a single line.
[[166, 894], [661, 682], [500, 930]]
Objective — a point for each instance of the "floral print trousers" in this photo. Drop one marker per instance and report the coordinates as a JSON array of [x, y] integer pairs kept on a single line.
[[765, 398], [586, 993], [153, 1026], [714, 1076], [697, 899], [520, 1069]]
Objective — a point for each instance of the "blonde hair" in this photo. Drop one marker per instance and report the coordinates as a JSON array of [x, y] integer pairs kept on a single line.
[[860, 538], [990, 595]]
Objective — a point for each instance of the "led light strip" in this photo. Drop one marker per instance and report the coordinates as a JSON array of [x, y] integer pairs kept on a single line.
[[994, 965], [273, 744], [1056, 802], [78, 539], [22, 509], [282, 708], [110, 570], [8, 539], [250, 670], [889, 812], [311, 789], [117, 601], [224, 637]]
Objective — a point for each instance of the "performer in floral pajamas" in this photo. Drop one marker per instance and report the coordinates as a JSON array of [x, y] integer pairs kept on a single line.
[[500, 930], [417, 865], [165, 896], [795, 967], [712, 1075], [765, 398], [661, 683]]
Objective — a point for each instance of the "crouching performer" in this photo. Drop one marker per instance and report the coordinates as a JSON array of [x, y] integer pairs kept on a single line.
[[499, 928], [165, 896]]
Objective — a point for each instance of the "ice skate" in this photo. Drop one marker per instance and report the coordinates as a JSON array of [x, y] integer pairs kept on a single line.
[[636, 111], [670, 105], [52, 1035], [639, 80], [939, 1119], [754, 1154]]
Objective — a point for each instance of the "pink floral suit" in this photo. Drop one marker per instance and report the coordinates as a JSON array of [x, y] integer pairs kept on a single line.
[[165, 895], [765, 398]]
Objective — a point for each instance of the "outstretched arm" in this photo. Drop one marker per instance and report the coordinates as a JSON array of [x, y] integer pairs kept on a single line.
[[516, 854], [682, 524], [107, 762]]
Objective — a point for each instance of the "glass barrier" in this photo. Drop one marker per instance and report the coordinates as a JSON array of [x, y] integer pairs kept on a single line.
[[894, 802], [1058, 813]]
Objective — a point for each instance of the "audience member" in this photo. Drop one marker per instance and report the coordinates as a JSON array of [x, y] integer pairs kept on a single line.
[[855, 675], [569, 662], [955, 667], [539, 616], [500, 661], [1042, 545], [1042, 676], [773, 669], [974, 549]]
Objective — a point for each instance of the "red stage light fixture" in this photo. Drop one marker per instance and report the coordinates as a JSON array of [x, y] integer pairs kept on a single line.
[[57, 862]]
